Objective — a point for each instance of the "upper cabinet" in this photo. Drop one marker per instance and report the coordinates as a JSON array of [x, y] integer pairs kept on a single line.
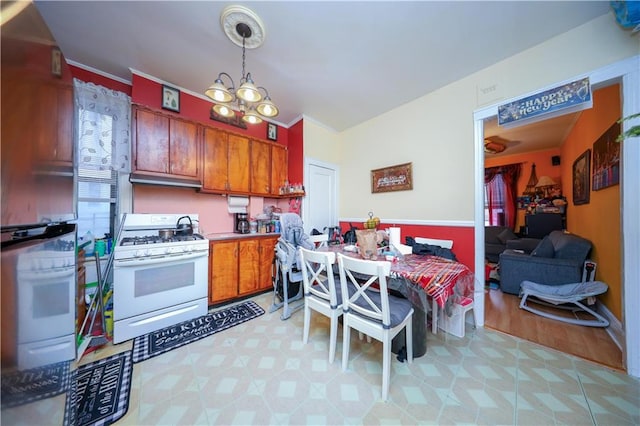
[[53, 125], [216, 165], [279, 168], [168, 150], [165, 145], [260, 167], [235, 164]]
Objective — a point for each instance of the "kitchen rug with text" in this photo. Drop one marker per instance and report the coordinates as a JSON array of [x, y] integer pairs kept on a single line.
[[23, 387], [161, 341], [100, 395]]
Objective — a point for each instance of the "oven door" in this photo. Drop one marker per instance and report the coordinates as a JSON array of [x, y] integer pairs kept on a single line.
[[144, 285]]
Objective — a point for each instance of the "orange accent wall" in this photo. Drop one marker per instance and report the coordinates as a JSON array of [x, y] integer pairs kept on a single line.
[[599, 220]]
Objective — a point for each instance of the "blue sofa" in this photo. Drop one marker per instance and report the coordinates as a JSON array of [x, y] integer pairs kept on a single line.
[[558, 259]]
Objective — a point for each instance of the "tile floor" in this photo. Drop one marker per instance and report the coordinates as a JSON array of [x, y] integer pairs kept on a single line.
[[260, 373]]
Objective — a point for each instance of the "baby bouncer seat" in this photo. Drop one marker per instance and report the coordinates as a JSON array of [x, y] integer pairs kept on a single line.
[[287, 270]]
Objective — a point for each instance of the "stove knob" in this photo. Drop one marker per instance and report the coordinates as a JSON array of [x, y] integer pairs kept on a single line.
[[188, 249], [138, 253]]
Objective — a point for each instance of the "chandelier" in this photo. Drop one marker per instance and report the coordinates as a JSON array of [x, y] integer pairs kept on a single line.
[[244, 28]]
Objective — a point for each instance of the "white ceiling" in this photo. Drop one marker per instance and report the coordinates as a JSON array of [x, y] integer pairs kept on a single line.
[[337, 63]]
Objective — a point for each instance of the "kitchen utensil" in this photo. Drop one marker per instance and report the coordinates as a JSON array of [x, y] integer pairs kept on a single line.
[[183, 229], [166, 234]]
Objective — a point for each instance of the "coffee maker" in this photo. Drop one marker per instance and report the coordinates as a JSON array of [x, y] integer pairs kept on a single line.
[[241, 223]]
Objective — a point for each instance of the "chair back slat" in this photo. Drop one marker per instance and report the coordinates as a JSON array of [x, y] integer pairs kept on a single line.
[[363, 298], [317, 275]]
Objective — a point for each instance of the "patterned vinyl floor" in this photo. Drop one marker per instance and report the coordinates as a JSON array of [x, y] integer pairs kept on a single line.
[[260, 373]]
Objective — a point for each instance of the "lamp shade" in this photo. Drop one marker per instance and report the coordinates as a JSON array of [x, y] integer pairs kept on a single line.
[[224, 110], [218, 92], [267, 108], [251, 117], [249, 92], [545, 181]]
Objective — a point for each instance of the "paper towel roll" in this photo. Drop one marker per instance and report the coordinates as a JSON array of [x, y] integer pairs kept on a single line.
[[237, 204], [394, 236]]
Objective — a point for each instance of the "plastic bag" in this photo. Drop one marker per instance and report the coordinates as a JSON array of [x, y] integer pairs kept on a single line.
[[368, 243]]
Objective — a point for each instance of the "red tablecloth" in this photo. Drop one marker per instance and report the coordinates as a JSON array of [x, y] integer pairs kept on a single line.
[[440, 278]]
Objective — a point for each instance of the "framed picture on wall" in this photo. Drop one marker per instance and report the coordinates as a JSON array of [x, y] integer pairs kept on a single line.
[[606, 159], [170, 98], [581, 178], [272, 132]]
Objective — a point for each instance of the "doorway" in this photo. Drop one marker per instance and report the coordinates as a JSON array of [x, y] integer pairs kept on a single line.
[[627, 73], [320, 206]]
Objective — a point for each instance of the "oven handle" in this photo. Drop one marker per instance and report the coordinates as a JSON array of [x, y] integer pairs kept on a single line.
[[48, 275], [156, 260]]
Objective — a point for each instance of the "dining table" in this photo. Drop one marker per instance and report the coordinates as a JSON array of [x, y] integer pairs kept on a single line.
[[430, 283]]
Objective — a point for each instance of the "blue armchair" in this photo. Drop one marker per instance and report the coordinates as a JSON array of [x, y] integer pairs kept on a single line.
[[558, 259]]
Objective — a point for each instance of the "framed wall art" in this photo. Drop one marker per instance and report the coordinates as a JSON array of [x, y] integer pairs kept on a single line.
[[170, 98], [606, 159], [581, 175], [392, 178], [272, 132]]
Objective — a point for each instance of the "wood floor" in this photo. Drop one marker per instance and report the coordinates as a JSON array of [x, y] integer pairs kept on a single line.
[[502, 313]]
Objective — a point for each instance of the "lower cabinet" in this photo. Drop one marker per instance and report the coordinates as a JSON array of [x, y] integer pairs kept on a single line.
[[241, 267]]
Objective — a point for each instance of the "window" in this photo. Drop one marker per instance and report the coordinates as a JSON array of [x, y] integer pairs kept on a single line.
[[102, 149], [97, 189], [494, 207]]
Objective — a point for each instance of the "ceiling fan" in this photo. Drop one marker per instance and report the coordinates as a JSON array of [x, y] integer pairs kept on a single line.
[[495, 144]]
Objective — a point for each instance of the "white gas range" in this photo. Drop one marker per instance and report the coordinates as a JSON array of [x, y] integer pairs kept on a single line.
[[159, 279]]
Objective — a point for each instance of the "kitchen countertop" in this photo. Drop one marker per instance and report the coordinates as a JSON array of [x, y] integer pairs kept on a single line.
[[234, 236]]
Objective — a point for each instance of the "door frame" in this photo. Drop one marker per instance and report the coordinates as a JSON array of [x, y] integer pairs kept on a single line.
[[308, 162], [626, 72]]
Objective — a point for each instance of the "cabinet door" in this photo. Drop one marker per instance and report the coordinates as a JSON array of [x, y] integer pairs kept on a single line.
[[183, 148], [152, 142], [216, 168], [260, 167], [267, 246], [53, 124], [248, 266], [223, 271], [238, 164], [279, 168]]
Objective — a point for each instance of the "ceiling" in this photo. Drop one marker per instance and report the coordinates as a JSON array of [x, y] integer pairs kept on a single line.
[[336, 63]]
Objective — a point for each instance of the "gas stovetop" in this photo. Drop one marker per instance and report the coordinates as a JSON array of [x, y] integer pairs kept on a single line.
[[140, 237], [156, 239]]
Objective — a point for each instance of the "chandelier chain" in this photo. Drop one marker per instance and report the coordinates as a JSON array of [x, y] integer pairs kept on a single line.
[[243, 56]]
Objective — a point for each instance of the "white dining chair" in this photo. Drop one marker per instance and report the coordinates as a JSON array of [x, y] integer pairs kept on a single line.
[[320, 240], [374, 313], [321, 293]]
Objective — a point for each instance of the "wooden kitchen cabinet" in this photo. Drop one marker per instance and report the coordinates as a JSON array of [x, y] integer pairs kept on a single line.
[[53, 125], [279, 168], [267, 247], [249, 266], [260, 167], [165, 145], [226, 162], [223, 270], [216, 164], [240, 267], [238, 163]]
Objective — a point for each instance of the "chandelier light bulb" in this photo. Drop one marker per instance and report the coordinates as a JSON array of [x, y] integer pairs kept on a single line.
[[218, 92], [224, 110], [248, 91], [251, 117]]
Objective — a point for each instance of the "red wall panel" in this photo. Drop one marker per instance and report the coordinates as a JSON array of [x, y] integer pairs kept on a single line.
[[463, 237]]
